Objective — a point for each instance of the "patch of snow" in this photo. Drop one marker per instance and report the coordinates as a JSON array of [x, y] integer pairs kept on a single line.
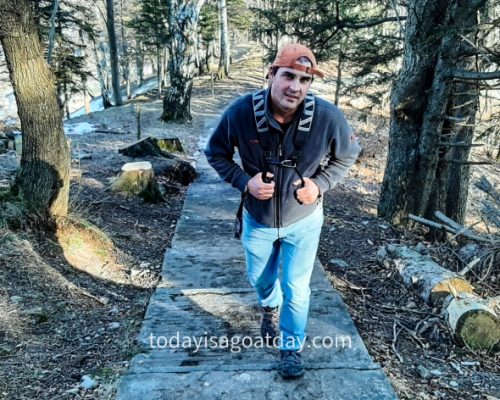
[[95, 105], [80, 128]]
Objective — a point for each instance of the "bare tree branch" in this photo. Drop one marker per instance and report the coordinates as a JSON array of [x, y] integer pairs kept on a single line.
[[474, 76]]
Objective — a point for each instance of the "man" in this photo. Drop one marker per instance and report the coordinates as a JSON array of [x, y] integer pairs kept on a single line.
[[282, 135]]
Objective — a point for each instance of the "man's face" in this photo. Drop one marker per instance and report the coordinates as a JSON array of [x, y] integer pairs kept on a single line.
[[288, 89]]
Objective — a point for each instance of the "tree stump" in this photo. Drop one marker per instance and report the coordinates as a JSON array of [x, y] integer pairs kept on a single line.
[[138, 179], [150, 146]]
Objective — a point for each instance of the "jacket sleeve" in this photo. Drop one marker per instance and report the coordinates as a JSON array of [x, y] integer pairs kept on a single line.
[[220, 152], [344, 151]]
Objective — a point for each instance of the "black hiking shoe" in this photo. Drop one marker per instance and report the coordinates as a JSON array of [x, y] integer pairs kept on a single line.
[[269, 327], [291, 365]]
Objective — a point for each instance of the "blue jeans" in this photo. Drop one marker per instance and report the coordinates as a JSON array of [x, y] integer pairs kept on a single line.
[[295, 246]]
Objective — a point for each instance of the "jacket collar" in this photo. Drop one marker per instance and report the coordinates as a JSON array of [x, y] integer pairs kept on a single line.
[[269, 112]]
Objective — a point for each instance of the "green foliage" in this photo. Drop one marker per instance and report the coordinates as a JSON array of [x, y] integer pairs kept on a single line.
[[333, 30], [68, 57], [150, 24], [239, 16], [208, 23]]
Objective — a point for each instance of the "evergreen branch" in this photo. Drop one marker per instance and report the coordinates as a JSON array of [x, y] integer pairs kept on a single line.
[[369, 24]]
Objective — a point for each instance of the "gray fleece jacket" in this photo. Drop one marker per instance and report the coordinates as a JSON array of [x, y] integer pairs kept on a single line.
[[330, 140]]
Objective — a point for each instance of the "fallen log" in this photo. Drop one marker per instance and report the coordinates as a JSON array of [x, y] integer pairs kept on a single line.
[[138, 179], [433, 282], [150, 146], [472, 320], [112, 132]]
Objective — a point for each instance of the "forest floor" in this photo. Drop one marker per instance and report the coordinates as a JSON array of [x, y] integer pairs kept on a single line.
[[72, 301]]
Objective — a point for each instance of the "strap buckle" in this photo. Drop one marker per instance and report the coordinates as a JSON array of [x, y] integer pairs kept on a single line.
[[284, 163]]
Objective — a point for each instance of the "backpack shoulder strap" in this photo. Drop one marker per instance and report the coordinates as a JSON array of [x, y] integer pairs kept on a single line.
[[262, 125], [304, 126]]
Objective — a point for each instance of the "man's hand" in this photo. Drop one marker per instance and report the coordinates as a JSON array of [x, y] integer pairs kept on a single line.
[[259, 189], [307, 194]]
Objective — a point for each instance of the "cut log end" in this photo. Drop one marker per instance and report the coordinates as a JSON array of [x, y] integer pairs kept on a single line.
[[449, 286], [474, 322], [479, 329]]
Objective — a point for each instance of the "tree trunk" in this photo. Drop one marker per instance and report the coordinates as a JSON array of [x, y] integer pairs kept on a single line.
[[418, 179], [224, 59], [462, 107], [66, 100], [183, 23], [52, 33], [159, 71], [101, 75], [165, 66], [139, 62], [43, 177], [339, 78], [113, 52], [86, 100], [125, 53]]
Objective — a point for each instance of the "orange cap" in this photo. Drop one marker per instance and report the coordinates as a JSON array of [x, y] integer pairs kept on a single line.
[[289, 54]]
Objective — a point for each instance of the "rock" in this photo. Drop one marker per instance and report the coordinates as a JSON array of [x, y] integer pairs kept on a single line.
[[113, 326], [423, 372], [468, 252], [339, 263], [454, 384], [383, 226], [135, 272], [84, 157], [411, 304], [391, 248], [332, 229], [88, 383], [365, 223], [421, 248], [114, 310], [470, 363], [16, 299], [244, 377], [436, 372], [381, 254], [39, 314]]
